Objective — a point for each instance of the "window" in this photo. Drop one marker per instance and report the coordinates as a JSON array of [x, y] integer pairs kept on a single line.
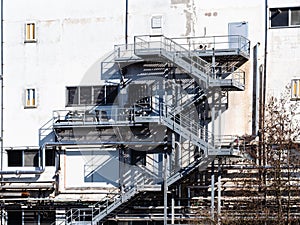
[[87, 95], [72, 93], [15, 158], [50, 157], [23, 158], [285, 17], [30, 32], [156, 22], [30, 98], [295, 89]]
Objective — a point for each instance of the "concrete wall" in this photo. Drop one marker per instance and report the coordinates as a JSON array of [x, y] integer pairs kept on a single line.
[[73, 37]]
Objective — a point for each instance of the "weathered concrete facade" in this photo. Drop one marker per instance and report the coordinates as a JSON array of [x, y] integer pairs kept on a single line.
[[51, 47]]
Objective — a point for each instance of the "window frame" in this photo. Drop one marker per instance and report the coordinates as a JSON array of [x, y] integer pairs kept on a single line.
[[156, 22], [295, 89], [93, 96], [30, 98], [22, 162], [289, 17], [50, 157], [30, 37]]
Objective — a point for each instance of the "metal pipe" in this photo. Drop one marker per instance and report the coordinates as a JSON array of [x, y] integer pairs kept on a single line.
[[126, 24], [165, 190], [212, 190], [219, 189], [1, 78]]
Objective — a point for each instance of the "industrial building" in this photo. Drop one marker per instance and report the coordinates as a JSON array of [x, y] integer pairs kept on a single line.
[[149, 112]]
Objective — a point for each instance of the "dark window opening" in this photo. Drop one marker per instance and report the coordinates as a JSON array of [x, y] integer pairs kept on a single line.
[[285, 17], [99, 95], [14, 217], [111, 94], [23, 158], [87, 95], [50, 157], [15, 158], [279, 17], [72, 96]]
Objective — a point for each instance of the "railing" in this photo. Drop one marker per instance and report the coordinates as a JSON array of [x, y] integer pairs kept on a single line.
[[101, 116], [125, 52], [231, 76], [229, 141], [218, 43], [45, 131], [187, 127], [159, 45]]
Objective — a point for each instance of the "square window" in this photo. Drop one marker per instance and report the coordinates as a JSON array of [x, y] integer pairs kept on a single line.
[[31, 158], [30, 98], [15, 158], [279, 17], [295, 16], [30, 32], [156, 22]]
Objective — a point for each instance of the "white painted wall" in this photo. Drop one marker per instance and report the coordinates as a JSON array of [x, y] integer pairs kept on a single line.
[[73, 37]]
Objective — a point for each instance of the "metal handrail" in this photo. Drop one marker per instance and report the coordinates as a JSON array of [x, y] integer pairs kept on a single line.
[[168, 48], [221, 42]]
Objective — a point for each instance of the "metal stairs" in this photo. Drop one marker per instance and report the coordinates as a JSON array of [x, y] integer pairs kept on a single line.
[[188, 128], [153, 47], [96, 213], [162, 49]]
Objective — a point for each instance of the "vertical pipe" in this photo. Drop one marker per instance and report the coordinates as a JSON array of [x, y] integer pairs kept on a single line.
[[126, 24], [219, 190], [189, 197], [165, 189], [173, 211], [265, 71], [1, 78], [255, 95], [212, 190]]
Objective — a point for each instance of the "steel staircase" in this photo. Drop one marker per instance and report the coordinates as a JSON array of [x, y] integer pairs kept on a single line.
[[141, 182], [140, 178], [188, 128], [151, 47]]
